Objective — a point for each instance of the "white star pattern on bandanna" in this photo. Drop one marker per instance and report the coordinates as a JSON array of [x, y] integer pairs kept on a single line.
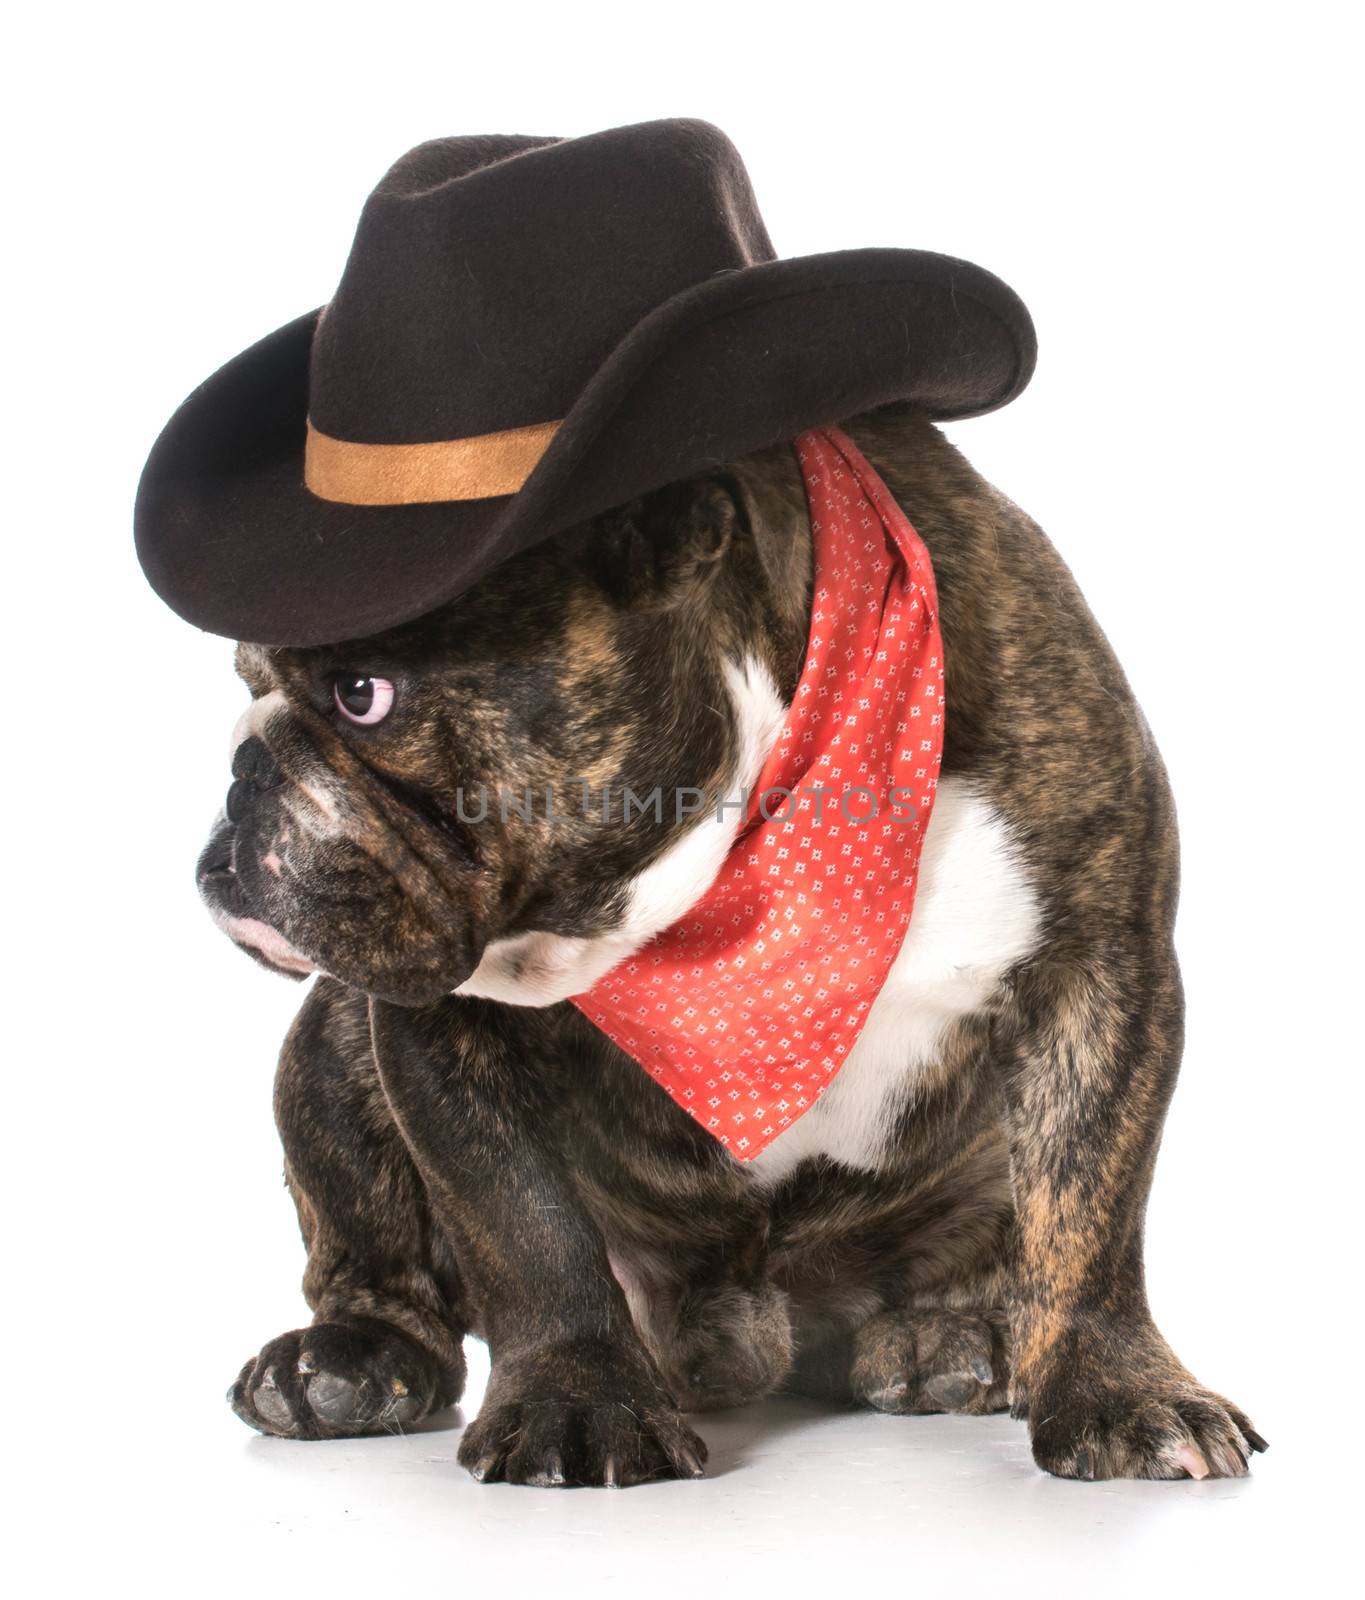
[[744, 1009]]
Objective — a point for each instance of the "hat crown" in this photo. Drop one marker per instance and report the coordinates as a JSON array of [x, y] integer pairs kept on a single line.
[[491, 277]]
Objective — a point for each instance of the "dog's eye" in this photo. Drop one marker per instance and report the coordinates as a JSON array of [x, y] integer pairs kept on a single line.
[[361, 699]]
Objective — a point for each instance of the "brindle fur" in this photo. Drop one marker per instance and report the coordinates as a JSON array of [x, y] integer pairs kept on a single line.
[[465, 1166]]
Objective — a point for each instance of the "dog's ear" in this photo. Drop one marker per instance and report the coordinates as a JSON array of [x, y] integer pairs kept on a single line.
[[663, 549]]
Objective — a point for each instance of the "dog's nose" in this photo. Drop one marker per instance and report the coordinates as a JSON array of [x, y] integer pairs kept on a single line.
[[255, 770]]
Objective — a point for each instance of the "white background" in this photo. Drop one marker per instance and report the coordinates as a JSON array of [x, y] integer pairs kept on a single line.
[[1170, 189]]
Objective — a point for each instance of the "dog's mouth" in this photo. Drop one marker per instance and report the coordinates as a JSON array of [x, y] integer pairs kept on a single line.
[[221, 892], [215, 870], [384, 915]]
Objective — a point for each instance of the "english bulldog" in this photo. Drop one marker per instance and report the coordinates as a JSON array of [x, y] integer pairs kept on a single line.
[[954, 1226]]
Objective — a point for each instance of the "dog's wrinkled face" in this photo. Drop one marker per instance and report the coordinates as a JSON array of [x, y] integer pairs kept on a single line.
[[423, 811]]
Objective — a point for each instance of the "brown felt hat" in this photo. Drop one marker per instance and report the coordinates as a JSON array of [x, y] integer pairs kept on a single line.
[[528, 332]]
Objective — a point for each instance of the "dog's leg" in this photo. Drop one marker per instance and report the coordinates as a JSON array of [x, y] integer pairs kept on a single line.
[[1089, 1060], [723, 1340], [573, 1396], [384, 1348]]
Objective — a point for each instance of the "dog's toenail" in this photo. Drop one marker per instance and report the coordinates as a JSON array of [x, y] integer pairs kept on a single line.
[[609, 1473], [981, 1369], [399, 1387]]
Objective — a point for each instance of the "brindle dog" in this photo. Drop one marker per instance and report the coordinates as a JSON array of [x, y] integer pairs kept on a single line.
[[957, 1224]]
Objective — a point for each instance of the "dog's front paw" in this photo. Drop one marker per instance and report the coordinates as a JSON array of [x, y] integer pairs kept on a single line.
[[566, 1417], [1157, 1423], [336, 1380]]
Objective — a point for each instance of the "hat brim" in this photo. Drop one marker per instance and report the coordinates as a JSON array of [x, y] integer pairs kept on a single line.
[[231, 539]]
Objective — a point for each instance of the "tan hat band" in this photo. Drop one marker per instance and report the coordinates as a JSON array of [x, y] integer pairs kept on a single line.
[[476, 468]]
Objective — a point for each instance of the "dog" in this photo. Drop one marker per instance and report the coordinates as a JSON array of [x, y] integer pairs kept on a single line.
[[955, 1225]]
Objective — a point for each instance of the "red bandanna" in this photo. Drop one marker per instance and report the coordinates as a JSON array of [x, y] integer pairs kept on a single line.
[[746, 1007]]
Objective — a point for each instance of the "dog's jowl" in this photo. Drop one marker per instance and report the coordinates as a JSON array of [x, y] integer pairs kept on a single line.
[[739, 903]]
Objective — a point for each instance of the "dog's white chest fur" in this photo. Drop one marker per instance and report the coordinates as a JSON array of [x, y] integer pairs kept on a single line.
[[975, 916]]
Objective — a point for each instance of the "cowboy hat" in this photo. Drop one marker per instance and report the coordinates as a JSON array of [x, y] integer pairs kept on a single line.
[[529, 331]]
